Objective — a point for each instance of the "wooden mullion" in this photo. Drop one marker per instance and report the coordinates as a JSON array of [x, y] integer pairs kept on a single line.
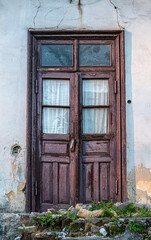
[[96, 106], [57, 106]]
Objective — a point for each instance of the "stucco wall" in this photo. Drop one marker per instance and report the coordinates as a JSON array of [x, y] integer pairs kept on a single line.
[[16, 17]]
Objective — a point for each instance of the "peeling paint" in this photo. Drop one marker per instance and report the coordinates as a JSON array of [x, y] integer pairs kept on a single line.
[[10, 195], [20, 188], [139, 184]]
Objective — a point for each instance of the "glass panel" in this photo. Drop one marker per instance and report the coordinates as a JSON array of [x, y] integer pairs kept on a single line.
[[56, 120], [94, 55], [95, 120], [56, 92], [95, 92], [56, 55]]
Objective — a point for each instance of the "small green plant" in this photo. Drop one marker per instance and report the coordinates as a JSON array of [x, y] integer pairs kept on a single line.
[[147, 237], [143, 211], [107, 213], [45, 221], [126, 211], [72, 216], [101, 205], [136, 227]]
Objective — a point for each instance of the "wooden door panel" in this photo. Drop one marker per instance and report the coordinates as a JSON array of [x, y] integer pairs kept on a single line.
[[97, 163], [63, 178], [95, 147], [47, 183], [57, 160], [56, 148], [96, 181], [55, 181]]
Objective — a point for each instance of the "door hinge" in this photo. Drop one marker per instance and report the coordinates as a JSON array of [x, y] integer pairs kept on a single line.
[[36, 86], [35, 188], [116, 187], [115, 87]]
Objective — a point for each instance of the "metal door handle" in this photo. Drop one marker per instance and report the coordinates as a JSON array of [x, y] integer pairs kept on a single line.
[[72, 145]]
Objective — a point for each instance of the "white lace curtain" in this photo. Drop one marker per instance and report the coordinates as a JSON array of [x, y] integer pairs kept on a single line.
[[56, 119], [56, 93], [95, 92]]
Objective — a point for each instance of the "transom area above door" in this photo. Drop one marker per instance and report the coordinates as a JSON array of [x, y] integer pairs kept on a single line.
[[76, 55]]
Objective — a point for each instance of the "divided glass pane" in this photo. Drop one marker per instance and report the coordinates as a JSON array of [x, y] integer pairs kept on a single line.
[[94, 55], [95, 92], [56, 92], [56, 120], [95, 120], [56, 55]]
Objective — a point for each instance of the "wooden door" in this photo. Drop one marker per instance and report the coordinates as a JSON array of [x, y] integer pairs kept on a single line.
[[97, 137], [57, 162], [76, 118], [78, 131]]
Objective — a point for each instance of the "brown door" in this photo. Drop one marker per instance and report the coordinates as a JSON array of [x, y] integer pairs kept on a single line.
[[97, 136], [78, 138], [76, 120], [57, 141]]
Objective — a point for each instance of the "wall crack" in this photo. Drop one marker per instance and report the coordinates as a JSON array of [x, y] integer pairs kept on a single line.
[[117, 14], [51, 10], [37, 11], [62, 19]]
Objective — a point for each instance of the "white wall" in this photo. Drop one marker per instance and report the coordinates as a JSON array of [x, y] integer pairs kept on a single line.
[[16, 17]]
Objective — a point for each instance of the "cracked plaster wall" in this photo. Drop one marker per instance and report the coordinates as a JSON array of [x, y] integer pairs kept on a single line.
[[15, 19]]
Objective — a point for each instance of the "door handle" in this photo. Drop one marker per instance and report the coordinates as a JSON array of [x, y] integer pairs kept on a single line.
[[72, 145]]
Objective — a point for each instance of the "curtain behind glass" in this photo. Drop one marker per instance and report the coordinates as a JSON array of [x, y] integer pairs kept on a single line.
[[56, 93], [95, 120]]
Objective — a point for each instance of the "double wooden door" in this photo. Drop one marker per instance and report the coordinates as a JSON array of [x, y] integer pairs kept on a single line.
[[77, 138]]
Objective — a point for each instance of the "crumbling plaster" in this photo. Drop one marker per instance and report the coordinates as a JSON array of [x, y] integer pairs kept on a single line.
[[15, 19]]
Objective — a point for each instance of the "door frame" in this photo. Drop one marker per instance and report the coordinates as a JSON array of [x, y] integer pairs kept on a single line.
[[31, 140]]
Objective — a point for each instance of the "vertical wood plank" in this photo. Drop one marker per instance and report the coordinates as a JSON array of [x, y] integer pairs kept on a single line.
[[73, 155], [47, 182], [104, 181], [55, 183], [96, 181], [89, 181], [63, 183]]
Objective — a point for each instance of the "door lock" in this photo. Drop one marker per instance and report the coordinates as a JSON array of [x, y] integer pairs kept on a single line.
[[72, 145]]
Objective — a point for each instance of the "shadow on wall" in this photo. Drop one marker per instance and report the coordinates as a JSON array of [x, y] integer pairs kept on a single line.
[[130, 157]]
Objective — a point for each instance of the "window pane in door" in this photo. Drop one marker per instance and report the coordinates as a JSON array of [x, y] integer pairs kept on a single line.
[[56, 55], [95, 120], [94, 55], [55, 120], [56, 92], [95, 92]]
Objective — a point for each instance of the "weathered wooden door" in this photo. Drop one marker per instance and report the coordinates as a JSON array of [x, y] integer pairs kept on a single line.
[[97, 137], [57, 140], [78, 122], [77, 113]]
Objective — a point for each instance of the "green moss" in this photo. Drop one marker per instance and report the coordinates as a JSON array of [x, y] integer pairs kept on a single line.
[[115, 230]]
